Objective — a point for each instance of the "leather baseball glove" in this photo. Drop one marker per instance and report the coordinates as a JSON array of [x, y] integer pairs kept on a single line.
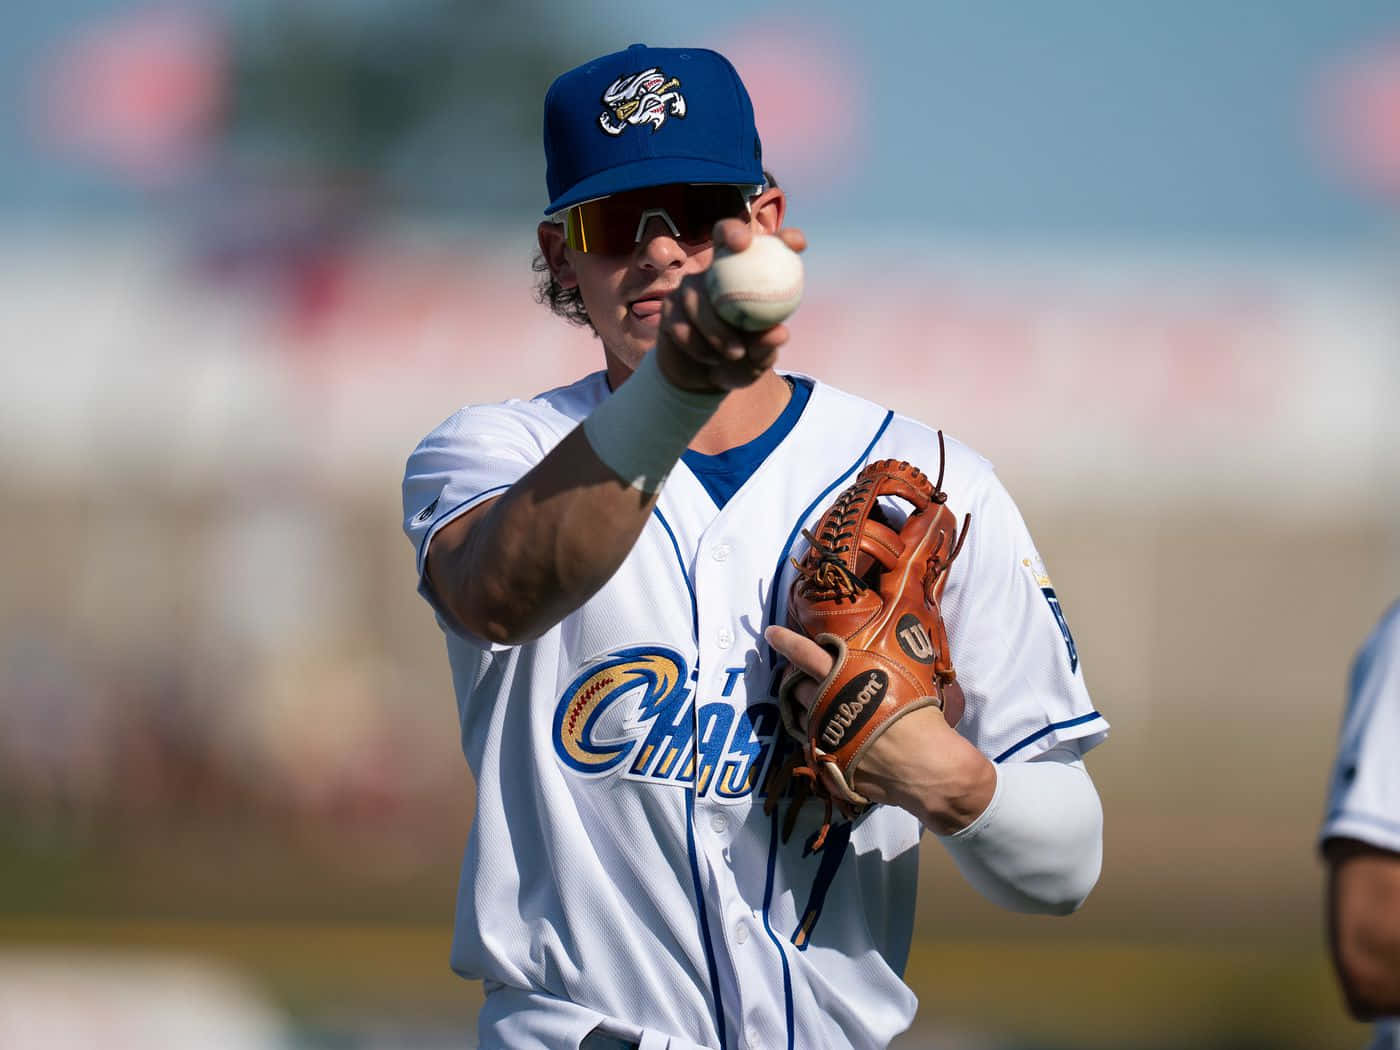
[[868, 594]]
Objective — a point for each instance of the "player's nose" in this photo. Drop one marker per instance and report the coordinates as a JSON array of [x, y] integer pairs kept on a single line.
[[659, 249]]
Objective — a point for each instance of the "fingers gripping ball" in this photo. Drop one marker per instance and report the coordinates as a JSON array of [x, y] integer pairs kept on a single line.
[[758, 287], [869, 594]]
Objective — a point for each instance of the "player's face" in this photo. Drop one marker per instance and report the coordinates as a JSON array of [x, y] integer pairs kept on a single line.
[[623, 291]]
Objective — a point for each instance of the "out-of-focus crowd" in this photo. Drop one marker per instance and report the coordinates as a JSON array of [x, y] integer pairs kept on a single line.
[[86, 743], [174, 672]]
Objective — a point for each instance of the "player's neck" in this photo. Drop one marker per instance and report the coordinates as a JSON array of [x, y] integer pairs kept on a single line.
[[744, 414]]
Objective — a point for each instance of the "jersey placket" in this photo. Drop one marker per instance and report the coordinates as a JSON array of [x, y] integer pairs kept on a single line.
[[728, 613]]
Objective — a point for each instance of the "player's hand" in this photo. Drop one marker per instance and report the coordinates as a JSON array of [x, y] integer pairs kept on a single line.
[[920, 763], [696, 349]]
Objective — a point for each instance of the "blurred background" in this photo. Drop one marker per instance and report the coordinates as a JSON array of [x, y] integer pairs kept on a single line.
[[1145, 257]]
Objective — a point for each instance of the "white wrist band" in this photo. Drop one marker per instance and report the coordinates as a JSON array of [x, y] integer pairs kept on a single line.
[[642, 429]]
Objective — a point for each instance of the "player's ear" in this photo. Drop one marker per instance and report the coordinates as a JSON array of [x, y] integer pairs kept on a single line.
[[556, 254], [768, 209]]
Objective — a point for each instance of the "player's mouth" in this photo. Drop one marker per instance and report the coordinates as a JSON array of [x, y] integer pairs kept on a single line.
[[647, 309]]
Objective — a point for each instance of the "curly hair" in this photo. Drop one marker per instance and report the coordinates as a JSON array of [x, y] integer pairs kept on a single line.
[[568, 302], [565, 302]]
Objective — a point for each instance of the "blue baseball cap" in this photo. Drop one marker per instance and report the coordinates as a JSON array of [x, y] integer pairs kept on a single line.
[[648, 116]]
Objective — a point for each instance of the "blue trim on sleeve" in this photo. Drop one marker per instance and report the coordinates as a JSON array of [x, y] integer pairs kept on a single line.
[[685, 575], [1391, 826], [703, 915], [1066, 724], [437, 522]]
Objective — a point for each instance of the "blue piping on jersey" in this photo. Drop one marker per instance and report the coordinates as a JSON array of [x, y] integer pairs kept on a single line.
[[432, 529], [725, 473], [685, 575], [703, 914], [704, 918], [773, 618], [792, 536], [768, 927], [1067, 723], [1364, 818]]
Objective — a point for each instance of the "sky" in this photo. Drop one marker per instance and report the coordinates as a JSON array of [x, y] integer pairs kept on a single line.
[[1148, 121]]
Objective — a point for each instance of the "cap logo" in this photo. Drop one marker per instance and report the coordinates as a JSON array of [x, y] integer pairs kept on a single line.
[[641, 98]]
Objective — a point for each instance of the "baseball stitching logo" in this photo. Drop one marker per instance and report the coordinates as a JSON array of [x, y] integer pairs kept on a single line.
[[631, 714], [641, 98], [584, 741]]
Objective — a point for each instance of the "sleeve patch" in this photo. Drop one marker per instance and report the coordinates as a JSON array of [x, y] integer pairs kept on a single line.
[[1036, 568]]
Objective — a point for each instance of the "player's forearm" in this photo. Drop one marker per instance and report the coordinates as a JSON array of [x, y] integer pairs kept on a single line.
[[1364, 922], [560, 532], [946, 796], [545, 547], [1038, 846]]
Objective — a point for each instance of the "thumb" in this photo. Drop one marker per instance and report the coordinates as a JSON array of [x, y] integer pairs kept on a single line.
[[734, 234]]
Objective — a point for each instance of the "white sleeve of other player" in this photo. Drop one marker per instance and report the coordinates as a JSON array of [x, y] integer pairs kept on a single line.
[[1011, 644], [470, 458], [1364, 797]]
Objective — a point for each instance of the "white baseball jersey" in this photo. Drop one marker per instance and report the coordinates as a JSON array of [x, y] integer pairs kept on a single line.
[[1364, 800], [620, 869]]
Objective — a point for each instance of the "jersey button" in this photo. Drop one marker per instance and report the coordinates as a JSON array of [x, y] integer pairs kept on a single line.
[[741, 932], [725, 638], [720, 553], [719, 823]]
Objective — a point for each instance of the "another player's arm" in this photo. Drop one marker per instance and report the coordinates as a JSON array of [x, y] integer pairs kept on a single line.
[[1363, 921], [510, 569]]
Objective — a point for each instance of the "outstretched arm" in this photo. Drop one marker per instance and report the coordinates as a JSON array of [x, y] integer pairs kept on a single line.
[[511, 568]]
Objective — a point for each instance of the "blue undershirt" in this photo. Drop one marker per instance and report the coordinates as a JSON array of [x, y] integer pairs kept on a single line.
[[723, 474]]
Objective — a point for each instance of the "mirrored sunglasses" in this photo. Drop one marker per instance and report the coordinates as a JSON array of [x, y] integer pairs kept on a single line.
[[615, 225]]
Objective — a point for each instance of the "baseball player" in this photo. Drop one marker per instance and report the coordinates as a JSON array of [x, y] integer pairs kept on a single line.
[[1361, 837], [609, 562]]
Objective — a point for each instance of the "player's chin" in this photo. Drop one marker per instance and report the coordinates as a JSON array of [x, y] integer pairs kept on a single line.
[[641, 321], [631, 345], [639, 334]]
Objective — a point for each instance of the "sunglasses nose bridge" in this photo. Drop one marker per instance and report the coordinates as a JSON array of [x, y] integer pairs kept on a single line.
[[655, 213]]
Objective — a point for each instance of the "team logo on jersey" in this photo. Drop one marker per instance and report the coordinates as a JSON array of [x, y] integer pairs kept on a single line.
[[914, 640], [1036, 568], [647, 97], [632, 714]]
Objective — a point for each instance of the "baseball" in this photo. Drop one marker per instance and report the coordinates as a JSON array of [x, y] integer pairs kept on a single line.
[[758, 287]]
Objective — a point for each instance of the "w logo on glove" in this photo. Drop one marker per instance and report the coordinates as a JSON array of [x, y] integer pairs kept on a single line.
[[914, 640], [869, 595]]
